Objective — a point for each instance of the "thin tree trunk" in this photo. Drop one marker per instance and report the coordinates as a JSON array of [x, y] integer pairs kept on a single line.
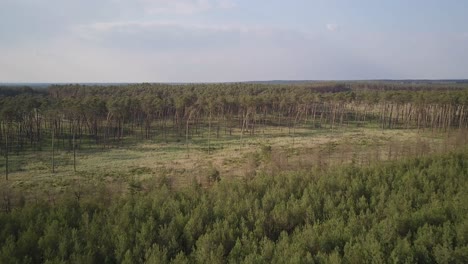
[[6, 156], [187, 132], [74, 152], [209, 135], [242, 128], [294, 128], [53, 150]]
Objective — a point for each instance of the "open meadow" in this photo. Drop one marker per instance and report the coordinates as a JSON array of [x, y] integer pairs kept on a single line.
[[143, 165]]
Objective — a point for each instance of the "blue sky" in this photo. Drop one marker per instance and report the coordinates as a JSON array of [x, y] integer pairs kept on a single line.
[[230, 40]]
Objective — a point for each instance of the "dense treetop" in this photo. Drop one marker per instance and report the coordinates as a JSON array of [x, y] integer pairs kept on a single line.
[[404, 212]]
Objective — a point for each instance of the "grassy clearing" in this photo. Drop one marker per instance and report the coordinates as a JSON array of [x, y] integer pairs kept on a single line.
[[143, 165]]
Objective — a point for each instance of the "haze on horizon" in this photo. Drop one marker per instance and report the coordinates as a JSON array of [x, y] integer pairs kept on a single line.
[[231, 40]]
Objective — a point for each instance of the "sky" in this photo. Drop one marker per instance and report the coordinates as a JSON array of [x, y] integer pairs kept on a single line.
[[231, 40]]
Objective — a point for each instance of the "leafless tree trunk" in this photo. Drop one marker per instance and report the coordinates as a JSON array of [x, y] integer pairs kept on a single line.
[[6, 155], [53, 150]]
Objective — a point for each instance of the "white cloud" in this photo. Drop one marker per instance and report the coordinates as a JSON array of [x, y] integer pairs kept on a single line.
[[135, 25], [184, 7], [333, 27], [162, 35]]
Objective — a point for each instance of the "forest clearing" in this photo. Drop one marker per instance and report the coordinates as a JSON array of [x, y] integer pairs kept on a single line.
[[149, 163]]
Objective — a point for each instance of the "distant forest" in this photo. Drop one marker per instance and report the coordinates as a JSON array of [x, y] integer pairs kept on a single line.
[[106, 114]]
